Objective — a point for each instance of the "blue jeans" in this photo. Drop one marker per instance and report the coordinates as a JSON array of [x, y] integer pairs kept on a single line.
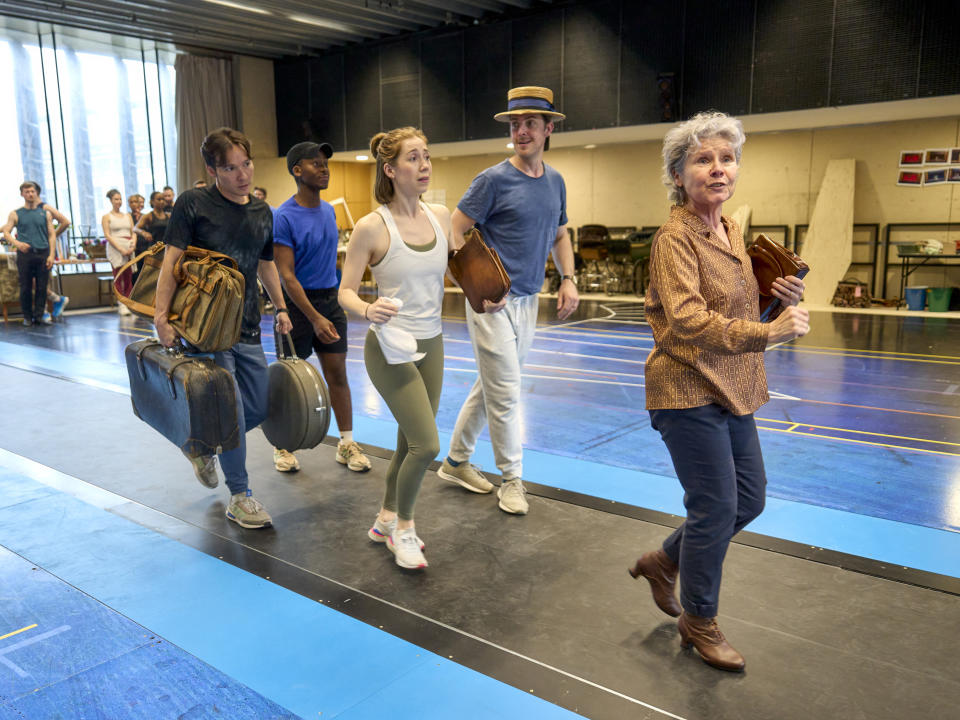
[[248, 365], [716, 455]]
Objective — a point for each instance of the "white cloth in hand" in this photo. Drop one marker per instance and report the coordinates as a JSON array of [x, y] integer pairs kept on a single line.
[[398, 346]]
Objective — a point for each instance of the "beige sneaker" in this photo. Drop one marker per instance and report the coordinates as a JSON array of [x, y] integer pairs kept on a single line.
[[205, 468], [351, 455], [247, 512], [466, 476], [285, 461], [513, 497]]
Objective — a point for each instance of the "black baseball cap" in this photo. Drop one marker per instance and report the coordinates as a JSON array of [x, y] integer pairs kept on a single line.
[[307, 151]]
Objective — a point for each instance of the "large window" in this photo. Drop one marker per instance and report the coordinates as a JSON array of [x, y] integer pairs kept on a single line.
[[83, 113]]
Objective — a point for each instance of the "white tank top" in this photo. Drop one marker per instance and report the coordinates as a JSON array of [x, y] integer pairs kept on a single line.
[[122, 229], [415, 275]]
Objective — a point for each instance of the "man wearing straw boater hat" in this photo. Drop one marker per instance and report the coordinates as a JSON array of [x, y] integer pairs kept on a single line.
[[520, 206]]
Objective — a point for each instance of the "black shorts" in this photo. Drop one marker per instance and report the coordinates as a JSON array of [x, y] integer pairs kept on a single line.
[[305, 340]]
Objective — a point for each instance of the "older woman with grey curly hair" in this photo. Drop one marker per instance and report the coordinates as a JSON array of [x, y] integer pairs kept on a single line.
[[705, 377]]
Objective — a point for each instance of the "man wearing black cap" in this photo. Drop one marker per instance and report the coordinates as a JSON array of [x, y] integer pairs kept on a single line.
[[305, 246]]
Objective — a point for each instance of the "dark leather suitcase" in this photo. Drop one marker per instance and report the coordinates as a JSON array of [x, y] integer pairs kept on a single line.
[[189, 400], [298, 404]]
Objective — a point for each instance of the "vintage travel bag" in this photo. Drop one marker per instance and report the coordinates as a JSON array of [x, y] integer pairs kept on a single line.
[[771, 260], [207, 307], [851, 293], [477, 269], [189, 400], [298, 404]]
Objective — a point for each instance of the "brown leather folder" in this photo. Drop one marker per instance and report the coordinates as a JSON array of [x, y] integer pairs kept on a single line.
[[477, 269], [771, 260]]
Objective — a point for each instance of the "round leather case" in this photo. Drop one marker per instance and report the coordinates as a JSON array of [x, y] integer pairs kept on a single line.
[[298, 403]]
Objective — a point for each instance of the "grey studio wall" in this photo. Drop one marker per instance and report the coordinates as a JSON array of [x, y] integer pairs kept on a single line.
[[626, 62]]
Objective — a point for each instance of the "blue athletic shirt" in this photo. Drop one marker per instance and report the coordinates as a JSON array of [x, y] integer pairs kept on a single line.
[[519, 217], [312, 233]]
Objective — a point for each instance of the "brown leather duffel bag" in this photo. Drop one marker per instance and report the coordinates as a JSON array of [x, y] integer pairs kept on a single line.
[[771, 260], [477, 269], [207, 307]]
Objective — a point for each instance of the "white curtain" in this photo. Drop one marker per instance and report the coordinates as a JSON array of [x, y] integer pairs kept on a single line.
[[205, 101]]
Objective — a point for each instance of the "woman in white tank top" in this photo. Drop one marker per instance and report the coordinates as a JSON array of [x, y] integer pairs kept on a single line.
[[405, 243], [118, 230]]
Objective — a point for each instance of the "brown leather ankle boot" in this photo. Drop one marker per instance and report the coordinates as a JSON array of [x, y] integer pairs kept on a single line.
[[706, 637], [661, 571]]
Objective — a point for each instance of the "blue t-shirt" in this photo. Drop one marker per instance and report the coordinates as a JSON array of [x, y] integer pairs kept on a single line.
[[312, 233], [519, 217]]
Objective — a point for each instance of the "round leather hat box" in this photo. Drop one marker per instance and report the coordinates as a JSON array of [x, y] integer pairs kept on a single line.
[[298, 404]]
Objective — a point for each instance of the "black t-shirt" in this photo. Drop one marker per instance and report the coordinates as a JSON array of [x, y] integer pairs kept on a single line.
[[204, 218]]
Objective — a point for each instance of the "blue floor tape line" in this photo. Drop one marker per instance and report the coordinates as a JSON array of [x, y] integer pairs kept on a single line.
[[290, 649], [888, 541], [65, 654]]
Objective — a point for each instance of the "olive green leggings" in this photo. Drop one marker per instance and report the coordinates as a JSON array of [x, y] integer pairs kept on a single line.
[[412, 392]]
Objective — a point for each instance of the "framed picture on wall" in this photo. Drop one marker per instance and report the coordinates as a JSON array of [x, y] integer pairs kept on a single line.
[[936, 156], [911, 157], [935, 177], [955, 156], [910, 178], [953, 175]]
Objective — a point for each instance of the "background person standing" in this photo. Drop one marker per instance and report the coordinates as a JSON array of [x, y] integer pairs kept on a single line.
[[36, 249]]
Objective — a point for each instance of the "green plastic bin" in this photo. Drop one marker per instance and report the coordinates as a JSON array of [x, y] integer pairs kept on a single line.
[[938, 298]]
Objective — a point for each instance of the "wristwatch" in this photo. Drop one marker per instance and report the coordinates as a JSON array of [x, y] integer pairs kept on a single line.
[[281, 310], [571, 278]]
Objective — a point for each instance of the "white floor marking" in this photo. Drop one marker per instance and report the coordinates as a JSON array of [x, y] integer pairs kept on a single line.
[[24, 643]]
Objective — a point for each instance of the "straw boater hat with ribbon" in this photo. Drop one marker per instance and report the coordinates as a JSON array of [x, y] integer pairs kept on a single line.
[[529, 99]]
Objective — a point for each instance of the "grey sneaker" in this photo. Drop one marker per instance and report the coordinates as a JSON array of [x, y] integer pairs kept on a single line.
[[381, 531], [205, 468], [403, 544], [285, 461], [466, 476], [351, 455], [247, 512], [513, 497]]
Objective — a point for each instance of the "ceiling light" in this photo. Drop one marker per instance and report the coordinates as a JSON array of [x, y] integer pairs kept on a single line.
[[591, 146], [329, 24], [238, 6], [363, 157], [510, 146]]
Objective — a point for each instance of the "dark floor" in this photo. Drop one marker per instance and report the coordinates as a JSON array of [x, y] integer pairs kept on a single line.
[[541, 602]]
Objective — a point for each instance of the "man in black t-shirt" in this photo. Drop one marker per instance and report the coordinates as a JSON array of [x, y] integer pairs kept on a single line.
[[225, 218]]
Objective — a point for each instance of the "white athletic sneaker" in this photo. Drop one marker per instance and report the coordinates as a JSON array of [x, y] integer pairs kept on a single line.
[[381, 531], [513, 497], [285, 461], [403, 544]]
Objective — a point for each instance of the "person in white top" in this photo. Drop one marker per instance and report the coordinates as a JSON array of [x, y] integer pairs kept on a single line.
[[405, 242], [118, 230]]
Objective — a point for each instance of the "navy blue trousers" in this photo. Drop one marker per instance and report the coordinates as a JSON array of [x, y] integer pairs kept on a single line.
[[716, 455]]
